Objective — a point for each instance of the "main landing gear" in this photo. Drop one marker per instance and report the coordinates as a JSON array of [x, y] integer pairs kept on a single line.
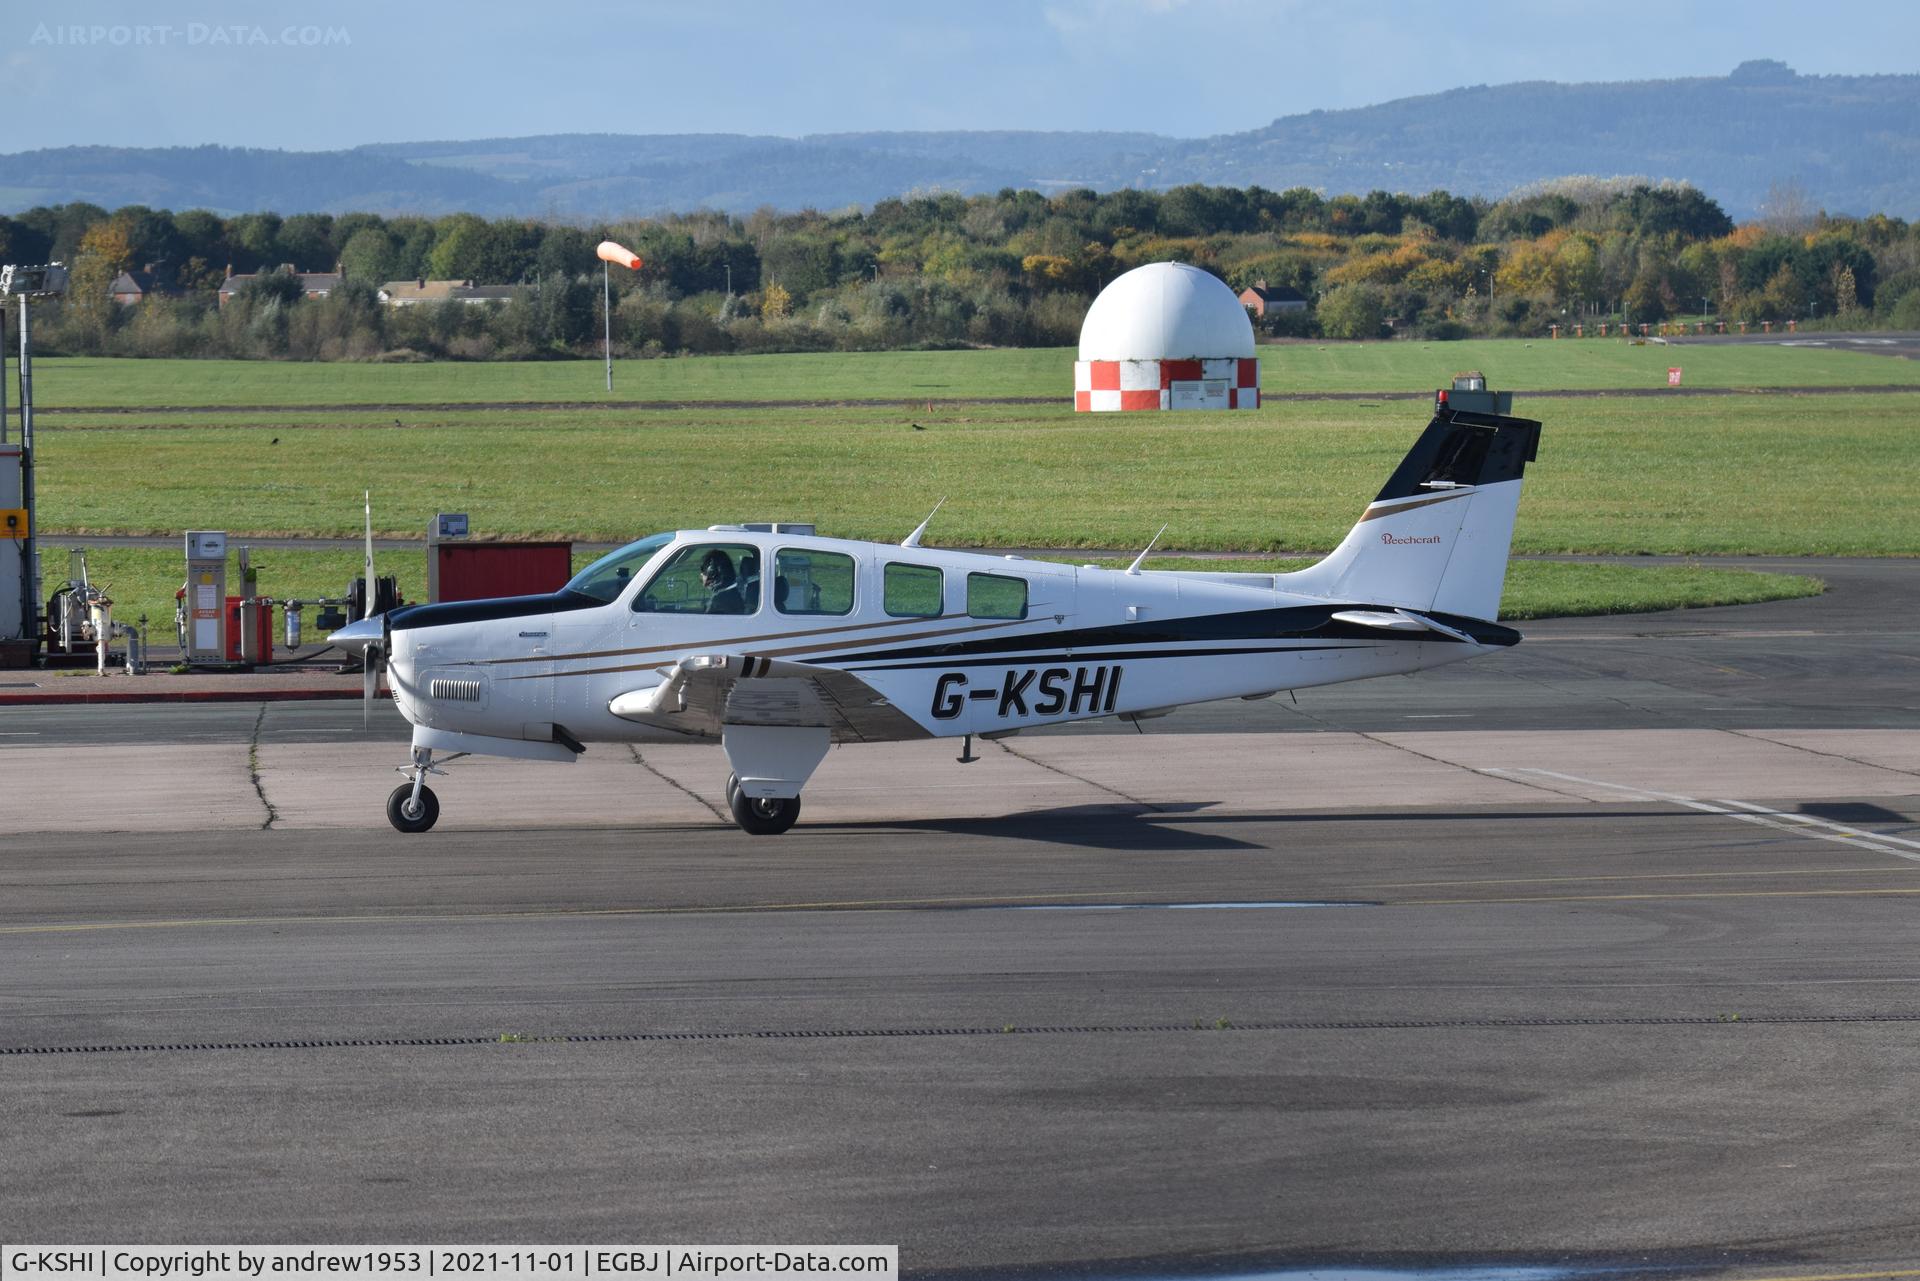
[[776, 761], [761, 815], [412, 806]]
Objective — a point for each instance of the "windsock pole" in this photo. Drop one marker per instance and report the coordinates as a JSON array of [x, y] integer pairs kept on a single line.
[[609, 253]]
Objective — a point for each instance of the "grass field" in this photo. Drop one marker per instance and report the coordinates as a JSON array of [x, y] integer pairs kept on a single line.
[[143, 580], [906, 376], [1773, 474], [1822, 475]]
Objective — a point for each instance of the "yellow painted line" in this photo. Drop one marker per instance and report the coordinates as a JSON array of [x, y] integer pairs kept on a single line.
[[881, 904], [1642, 876], [1625, 898]]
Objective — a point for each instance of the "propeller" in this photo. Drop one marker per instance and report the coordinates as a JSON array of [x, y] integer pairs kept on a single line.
[[373, 661], [372, 658]]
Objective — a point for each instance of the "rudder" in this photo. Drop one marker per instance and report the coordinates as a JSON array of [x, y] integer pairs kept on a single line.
[[1438, 534]]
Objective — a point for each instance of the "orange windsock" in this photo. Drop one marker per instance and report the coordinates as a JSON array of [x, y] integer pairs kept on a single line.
[[620, 254]]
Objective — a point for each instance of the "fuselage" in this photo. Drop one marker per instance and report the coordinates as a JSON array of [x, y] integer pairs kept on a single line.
[[958, 642]]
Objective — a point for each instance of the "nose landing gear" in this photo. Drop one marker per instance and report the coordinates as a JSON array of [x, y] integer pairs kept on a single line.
[[412, 806]]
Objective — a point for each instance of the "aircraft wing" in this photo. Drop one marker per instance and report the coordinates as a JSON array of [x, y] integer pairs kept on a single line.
[[705, 692]]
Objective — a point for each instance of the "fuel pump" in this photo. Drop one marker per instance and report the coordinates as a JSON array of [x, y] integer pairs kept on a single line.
[[204, 608]]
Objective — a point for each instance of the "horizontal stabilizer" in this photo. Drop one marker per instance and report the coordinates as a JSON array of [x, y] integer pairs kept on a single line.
[[1401, 620], [1393, 622]]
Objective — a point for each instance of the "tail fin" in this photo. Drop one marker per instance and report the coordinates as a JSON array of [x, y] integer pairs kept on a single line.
[[1437, 536]]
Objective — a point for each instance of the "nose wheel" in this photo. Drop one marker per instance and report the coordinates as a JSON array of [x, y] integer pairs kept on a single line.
[[410, 813], [761, 815], [412, 806]]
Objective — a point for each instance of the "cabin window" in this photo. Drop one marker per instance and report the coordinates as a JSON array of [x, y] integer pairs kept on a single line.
[[996, 596], [913, 591], [706, 578], [606, 579], [806, 582]]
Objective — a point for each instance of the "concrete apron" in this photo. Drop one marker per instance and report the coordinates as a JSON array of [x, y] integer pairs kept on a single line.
[[345, 785]]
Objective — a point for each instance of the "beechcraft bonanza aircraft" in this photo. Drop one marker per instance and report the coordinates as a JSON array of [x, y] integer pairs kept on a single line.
[[779, 643]]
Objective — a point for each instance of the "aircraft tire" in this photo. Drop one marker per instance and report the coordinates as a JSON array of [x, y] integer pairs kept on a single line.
[[400, 800], [733, 786], [763, 817]]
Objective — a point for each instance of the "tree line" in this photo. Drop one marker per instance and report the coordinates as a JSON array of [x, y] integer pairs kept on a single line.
[[1016, 268]]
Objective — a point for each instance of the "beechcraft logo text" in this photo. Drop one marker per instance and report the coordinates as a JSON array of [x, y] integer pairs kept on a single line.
[[1391, 541]]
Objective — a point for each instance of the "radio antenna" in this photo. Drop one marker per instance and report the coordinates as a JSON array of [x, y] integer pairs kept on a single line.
[[913, 539], [1134, 568]]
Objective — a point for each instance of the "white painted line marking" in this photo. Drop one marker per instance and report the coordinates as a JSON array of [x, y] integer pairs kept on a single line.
[[1639, 793], [1826, 823], [20, 733], [1835, 837], [1630, 793], [1439, 716], [1801, 825]]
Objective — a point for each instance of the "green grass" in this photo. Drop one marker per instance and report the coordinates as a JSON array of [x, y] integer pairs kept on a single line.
[[1788, 475], [1570, 364], [143, 580], [1556, 589], [1410, 367], [1776, 474]]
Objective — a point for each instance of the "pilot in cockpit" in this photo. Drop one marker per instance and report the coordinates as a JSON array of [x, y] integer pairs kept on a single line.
[[723, 588]]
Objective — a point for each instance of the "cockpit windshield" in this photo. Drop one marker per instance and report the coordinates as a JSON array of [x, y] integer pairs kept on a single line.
[[607, 577]]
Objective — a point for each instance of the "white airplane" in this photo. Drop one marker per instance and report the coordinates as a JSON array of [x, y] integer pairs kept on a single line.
[[779, 643]]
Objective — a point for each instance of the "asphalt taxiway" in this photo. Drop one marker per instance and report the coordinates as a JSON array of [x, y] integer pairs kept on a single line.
[[1597, 953]]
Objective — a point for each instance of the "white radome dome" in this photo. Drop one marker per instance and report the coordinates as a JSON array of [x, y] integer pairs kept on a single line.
[[1166, 311]]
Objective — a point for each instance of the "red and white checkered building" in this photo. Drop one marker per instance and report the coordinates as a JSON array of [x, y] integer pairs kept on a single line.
[[1166, 336], [1149, 384]]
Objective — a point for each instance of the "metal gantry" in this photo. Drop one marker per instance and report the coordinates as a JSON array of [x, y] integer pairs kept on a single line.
[[29, 284]]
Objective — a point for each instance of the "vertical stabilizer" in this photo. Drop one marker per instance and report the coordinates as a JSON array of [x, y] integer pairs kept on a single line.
[[1437, 536]]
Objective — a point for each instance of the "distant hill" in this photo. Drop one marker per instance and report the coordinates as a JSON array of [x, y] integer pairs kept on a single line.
[[1852, 143]]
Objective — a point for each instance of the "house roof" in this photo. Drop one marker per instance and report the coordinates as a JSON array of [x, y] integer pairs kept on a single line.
[[148, 279], [310, 281], [1275, 293], [418, 291], [421, 290]]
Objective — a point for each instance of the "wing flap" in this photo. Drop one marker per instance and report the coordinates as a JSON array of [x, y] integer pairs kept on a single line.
[[704, 693]]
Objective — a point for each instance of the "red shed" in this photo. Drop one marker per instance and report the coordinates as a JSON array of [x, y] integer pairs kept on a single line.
[[481, 571]]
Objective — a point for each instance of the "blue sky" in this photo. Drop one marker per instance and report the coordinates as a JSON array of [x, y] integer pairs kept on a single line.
[[308, 76]]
